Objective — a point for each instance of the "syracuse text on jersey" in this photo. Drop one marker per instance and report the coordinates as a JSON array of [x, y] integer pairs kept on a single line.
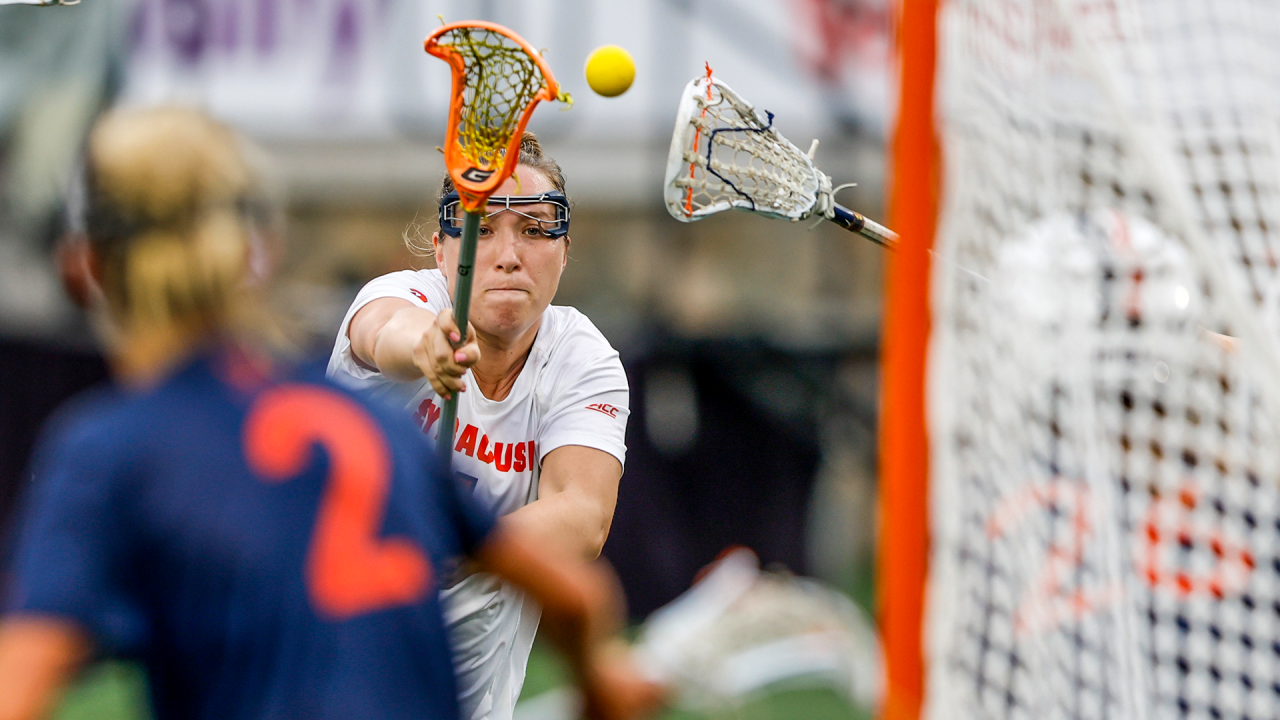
[[504, 456]]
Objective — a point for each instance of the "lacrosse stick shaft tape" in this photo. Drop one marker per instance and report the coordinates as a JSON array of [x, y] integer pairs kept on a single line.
[[869, 229]]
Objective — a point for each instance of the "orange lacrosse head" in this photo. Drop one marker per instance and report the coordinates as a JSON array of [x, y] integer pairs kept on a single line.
[[498, 79]]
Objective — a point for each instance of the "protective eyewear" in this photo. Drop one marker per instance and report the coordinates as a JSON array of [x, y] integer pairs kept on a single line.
[[451, 212]]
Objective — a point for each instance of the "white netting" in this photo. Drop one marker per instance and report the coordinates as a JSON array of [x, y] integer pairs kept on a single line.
[[1106, 457], [726, 154]]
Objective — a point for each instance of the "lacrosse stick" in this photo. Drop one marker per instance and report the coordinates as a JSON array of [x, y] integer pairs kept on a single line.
[[498, 80], [725, 154], [739, 631]]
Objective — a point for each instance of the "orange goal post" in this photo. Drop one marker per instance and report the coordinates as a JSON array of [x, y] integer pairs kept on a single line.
[[903, 534]]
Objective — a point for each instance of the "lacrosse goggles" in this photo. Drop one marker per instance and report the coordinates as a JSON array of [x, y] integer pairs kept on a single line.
[[451, 215]]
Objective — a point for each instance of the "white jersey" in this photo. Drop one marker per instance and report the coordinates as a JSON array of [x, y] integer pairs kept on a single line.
[[571, 391]]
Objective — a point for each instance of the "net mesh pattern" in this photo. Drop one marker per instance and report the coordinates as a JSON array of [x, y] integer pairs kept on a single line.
[[1105, 444], [500, 81], [737, 159]]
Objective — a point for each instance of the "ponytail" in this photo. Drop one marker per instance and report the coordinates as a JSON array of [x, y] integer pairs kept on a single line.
[[172, 205]]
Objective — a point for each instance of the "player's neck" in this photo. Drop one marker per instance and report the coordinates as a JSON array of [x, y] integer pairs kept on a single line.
[[501, 360], [141, 358]]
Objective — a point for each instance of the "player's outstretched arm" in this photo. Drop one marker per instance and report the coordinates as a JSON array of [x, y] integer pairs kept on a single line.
[[405, 342], [577, 494], [38, 656], [581, 613]]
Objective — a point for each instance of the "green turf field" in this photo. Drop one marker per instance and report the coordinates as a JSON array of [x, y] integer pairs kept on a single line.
[[107, 691], [547, 672], [116, 691]]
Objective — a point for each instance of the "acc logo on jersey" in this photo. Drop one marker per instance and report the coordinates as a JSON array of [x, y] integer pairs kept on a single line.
[[607, 409], [418, 294]]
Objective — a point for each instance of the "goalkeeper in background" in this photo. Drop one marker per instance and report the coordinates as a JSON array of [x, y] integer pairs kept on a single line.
[[268, 544]]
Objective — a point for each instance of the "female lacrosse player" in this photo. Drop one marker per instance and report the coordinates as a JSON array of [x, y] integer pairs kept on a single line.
[[268, 544], [543, 407]]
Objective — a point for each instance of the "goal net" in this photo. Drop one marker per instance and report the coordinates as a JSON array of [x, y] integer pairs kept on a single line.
[[1104, 370]]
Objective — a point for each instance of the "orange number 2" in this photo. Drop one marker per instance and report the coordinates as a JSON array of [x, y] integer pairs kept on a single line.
[[350, 570]]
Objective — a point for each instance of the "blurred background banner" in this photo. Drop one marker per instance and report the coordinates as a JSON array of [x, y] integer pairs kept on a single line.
[[346, 69], [350, 111], [751, 344]]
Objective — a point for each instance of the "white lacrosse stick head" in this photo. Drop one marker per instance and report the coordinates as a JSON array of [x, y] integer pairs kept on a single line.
[[726, 154], [740, 631]]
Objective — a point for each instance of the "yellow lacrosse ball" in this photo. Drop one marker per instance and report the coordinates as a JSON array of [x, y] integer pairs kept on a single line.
[[610, 70]]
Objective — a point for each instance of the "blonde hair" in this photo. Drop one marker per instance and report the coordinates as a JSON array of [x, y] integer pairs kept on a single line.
[[171, 206], [417, 236]]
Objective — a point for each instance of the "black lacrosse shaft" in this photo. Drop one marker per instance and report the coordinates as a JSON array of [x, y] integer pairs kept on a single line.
[[869, 229], [461, 308]]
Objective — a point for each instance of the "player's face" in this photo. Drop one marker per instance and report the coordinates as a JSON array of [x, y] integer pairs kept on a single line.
[[517, 268]]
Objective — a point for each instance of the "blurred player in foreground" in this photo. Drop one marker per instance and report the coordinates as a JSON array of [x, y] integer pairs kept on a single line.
[[268, 544], [542, 422]]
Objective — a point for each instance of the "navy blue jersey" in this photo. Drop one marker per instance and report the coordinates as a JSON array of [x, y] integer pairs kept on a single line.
[[269, 548]]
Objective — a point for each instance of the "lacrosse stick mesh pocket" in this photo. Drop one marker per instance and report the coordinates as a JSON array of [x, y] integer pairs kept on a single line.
[[725, 154], [498, 80], [501, 80]]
